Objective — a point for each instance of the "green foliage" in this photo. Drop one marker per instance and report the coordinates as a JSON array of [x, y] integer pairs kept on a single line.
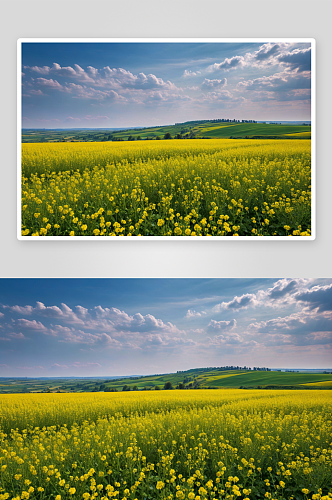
[[198, 129], [168, 386]]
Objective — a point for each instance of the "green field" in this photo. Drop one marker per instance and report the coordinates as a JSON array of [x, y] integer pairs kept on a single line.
[[250, 130], [263, 379], [200, 378], [189, 130]]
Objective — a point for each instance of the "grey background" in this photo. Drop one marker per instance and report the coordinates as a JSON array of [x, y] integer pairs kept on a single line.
[[165, 18]]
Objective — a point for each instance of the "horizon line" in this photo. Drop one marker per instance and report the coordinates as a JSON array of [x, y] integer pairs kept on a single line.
[[158, 126]]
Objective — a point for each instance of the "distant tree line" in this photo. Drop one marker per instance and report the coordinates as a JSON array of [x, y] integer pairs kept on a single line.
[[217, 120], [225, 368]]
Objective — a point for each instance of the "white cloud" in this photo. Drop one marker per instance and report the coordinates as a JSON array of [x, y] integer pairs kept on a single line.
[[79, 364], [30, 367], [226, 339], [297, 59], [188, 73], [318, 297], [122, 322], [214, 83], [52, 84], [85, 92], [282, 81], [64, 312], [193, 314], [244, 301], [32, 325], [36, 92], [227, 64], [65, 71], [109, 84], [284, 292], [17, 335], [215, 326], [269, 55], [109, 326]]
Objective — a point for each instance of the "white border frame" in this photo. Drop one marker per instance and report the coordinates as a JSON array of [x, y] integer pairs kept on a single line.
[[312, 41]]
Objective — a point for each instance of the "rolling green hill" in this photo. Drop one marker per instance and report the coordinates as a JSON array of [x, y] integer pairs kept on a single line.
[[200, 378], [196, 129], [255, 378], [252, 130]]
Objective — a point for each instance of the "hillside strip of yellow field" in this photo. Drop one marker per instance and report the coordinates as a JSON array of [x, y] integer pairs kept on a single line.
[[325, 383], [219, 377], [215, 127], [300, 134]]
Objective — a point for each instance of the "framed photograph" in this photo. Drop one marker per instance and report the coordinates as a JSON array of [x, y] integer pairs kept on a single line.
[[166, 139], [165, 389]]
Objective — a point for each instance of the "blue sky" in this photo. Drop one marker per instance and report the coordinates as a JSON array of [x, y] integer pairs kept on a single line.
[[90, 85], [112, 327]]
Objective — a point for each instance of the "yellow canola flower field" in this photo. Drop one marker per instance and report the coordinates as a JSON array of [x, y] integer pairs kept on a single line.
[[195, 445], [217, 187]]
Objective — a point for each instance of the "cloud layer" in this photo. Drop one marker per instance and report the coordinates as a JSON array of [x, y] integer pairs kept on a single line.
[[287, 314], [254, 80]]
